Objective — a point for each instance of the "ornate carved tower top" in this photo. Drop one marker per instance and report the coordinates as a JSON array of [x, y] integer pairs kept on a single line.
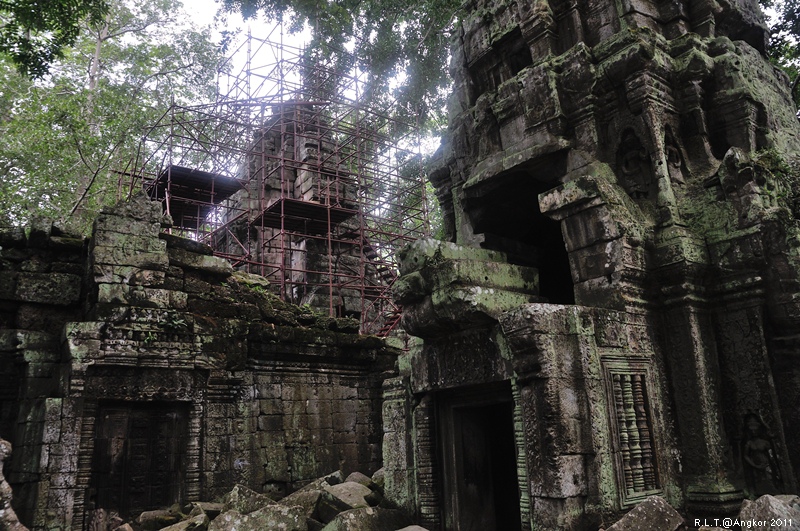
[[656, 93]]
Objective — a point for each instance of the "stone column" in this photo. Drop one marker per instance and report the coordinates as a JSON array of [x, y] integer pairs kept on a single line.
[[397, 454], [690, 349], [546, 345]]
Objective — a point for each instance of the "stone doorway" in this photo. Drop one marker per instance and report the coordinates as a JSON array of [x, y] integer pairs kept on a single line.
[[481, 489], [512, 222], [139, 460]]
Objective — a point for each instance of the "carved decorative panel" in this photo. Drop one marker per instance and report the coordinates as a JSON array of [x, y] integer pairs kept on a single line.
[[633, 439]]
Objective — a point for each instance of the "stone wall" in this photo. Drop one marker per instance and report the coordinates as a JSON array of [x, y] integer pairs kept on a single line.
[[138, 354]]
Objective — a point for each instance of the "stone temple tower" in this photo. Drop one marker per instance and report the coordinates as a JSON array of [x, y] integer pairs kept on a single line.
[[617, 312]]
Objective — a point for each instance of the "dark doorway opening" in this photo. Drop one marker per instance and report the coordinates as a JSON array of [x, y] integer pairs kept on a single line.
[[481, 489], [139, 460], [506, 213]]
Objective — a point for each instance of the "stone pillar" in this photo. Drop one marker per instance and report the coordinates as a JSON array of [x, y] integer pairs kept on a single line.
[[546, 345], [397, 445], [690, 349], [429, 504]]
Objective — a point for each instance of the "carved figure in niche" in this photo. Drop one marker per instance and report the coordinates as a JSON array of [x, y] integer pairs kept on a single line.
[[761, 471], [486, 126], [636, 174], [674, 158]]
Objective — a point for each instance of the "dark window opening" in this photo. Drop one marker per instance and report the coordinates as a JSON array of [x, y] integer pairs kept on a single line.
[[481, 488], [517, 52], [509, 218], [139, 460]]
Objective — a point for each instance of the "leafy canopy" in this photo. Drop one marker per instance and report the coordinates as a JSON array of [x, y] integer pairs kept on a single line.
[[783, 47], [402, 45], [69, 138], [34, 33]]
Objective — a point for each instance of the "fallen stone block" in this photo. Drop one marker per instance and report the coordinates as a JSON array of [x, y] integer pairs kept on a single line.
[[197, 522], [244, 500], [792, 500], [211, 509], [369, 519], [351, 493], [654, 513], [379, 478], [374, 498], [271, 517], [766, 510], [362, 479], [158, 519], [307, 499], [331, 479], [329, 507]]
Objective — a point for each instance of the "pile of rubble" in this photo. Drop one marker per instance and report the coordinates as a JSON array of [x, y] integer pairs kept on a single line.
[[330, 503]]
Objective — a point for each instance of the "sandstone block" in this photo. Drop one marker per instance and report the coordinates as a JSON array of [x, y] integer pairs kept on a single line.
[[157, 519], [244, 500], [379, 478], [48, 288], [211, 509], [329, 506], [653, 513], [197, 522], [307, 499], [272, 517], [201, 262], [768, 509], [369, 519], [363, 479], [351, 493]]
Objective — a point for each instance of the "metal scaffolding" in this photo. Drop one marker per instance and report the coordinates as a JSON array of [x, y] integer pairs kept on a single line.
[[291, 175]]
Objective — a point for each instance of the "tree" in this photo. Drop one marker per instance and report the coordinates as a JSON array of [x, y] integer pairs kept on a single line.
[[404, 40], [69, 138], [34, 33], [783, 47]]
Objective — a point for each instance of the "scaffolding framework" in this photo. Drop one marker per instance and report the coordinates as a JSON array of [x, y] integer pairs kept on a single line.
[[290, 175]]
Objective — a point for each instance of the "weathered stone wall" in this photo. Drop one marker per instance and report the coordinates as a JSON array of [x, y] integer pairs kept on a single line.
[[41, 289], [137, 337]]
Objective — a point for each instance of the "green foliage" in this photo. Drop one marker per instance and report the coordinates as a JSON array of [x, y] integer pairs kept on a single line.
[[256, 288], [402, 45], [70, 138], [783, 47], [176, 323], [33, 34]]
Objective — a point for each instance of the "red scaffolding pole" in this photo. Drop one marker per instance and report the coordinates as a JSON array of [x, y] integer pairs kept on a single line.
[[288, 174]]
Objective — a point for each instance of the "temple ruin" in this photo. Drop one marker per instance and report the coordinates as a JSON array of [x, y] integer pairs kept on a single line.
[[139, 370], [290, 174], [614, 315]]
